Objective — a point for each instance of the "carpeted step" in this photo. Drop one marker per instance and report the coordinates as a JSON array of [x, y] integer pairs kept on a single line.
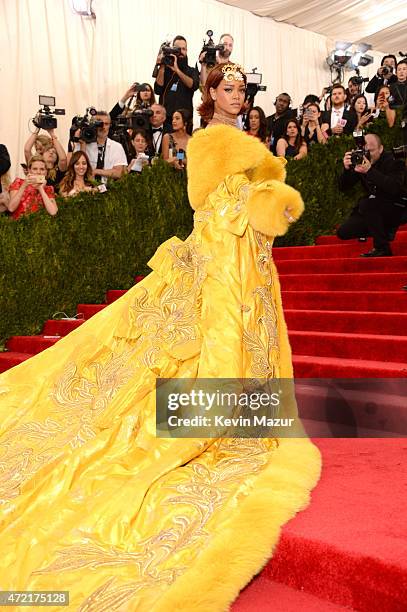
[[114, 294], [312, 366], [9, 359], [88, 310], [342, 266], [60, 327], [348, 346], [351, 322], [372, 301], [31, 344], [357, 281], [330, 251], [263, 595], [401, 236]]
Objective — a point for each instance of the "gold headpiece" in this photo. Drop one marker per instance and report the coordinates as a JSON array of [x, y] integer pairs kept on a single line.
[[233, 72]]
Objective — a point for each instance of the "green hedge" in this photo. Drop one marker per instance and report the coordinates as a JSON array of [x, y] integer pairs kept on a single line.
[[102, 241]]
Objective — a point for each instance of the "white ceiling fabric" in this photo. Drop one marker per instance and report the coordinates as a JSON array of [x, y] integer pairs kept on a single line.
[[382, 23]]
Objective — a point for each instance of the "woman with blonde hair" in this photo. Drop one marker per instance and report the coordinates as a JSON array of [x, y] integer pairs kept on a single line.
[[32, 193]]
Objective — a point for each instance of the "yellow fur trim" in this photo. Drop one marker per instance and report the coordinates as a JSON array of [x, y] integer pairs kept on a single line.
[[233, 556], [220, 150], [266, 204]]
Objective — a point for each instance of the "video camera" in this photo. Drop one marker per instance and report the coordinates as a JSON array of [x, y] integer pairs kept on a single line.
[[254, 84], [360, 152], [87, 125], [210, 50], [167, 52], [44, 119], [359, 80]]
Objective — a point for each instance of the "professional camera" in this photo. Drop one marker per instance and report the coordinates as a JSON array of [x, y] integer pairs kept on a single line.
[[360, 152], [358, 80], [168, 52], [210, 50], [44, 119], [87, 125], [254, 84]]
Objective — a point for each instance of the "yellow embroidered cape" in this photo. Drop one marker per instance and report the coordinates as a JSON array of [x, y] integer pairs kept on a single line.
[[91, 501]]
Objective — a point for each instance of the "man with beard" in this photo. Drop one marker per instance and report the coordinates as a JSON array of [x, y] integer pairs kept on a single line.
[[276, 123], [176, 84], [222, 57]]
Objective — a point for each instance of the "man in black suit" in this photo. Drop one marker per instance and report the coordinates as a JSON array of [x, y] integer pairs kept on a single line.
[[338, 120], [276, 123], [157, 121], [382, 208]]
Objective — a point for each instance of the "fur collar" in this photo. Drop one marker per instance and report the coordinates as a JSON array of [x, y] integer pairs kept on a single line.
[[218, 151]]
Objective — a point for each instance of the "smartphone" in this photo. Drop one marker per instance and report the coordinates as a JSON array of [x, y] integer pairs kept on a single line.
[[181, 155]]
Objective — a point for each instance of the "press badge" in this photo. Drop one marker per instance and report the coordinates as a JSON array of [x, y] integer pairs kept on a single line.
[[174, 87]]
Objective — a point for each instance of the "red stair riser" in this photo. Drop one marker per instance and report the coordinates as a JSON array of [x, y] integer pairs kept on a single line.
[[374, 281], [60, 327], [394, 323], [340, 300], [342, 266], [330, 251]]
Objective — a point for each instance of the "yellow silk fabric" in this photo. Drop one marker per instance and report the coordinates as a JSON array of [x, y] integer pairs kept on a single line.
[[91, 501]]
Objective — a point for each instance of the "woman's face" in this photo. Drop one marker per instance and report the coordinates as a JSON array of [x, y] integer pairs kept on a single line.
[[292, 130], [177, 121], [313, 113], [254, 120], [38, 167], [50, 156], [360, 105], [402, 72], [145, 96], [384, 93], [228, 97], [80, 166], [139, 143]]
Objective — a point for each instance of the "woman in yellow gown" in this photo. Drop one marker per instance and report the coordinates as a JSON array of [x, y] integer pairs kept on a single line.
[[92, 502]]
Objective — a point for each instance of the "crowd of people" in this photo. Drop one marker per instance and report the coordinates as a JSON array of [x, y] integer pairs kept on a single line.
[[161, 128]]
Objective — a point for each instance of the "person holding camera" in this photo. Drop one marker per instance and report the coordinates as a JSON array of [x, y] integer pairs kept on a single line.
[[107, 157], [398, 89], [136, 97], [139, 147], [338, 120], [175, 142], [311, 131], [32, 193], [222, 56], [56, 158], [176, 82], [361, 109], [380, 210], [386, 74], [383, 105], [4, 168]]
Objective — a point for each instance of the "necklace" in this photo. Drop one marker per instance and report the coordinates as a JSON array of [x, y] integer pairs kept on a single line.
[[218, 118]]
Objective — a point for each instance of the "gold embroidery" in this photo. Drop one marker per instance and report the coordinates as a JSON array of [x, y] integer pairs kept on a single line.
[[203, 489], [79, 400], [263, 344]]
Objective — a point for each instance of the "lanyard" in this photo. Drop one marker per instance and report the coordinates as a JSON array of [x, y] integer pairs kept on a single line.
[[101, 157]]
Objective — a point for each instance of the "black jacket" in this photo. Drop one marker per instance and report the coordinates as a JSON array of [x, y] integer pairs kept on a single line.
[[376, 82], [174, 94], [4, 161], [276, 125], [349, 115], [384, 179], [398, 92]]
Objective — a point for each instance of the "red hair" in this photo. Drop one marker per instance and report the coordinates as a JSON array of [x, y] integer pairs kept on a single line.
[[215, 77]]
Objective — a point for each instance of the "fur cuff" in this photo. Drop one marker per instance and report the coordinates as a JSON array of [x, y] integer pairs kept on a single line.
[[266, 204]]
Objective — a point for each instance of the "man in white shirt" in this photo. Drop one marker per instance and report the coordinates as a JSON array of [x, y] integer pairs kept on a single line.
[[338, 120], [106, 156]]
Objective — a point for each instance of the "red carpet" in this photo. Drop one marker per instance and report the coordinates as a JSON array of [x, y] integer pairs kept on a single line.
[[347, 318]]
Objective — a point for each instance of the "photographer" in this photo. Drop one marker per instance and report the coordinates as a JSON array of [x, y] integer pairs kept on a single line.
[[363, 112], [385, 75], [383, 105], [311, 124], [107, 157], [276, 123], [176, 81], [4, 168], [43, 143], [222, 56], [380, 210], [139, 149], [338, 120], [136, 97], [398, 89], [32, 193]]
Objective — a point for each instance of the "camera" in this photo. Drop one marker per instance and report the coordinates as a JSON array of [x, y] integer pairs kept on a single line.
[[87, 125], [387, 70], [44, 119], [360, 152], [210, 50], [358, 80], [168, 52], [254, 84]]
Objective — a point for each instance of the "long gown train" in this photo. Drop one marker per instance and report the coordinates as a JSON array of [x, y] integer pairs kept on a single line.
[[92, 502]]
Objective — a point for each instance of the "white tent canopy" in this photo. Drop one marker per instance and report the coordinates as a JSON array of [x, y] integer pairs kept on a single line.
[[381, 23]]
